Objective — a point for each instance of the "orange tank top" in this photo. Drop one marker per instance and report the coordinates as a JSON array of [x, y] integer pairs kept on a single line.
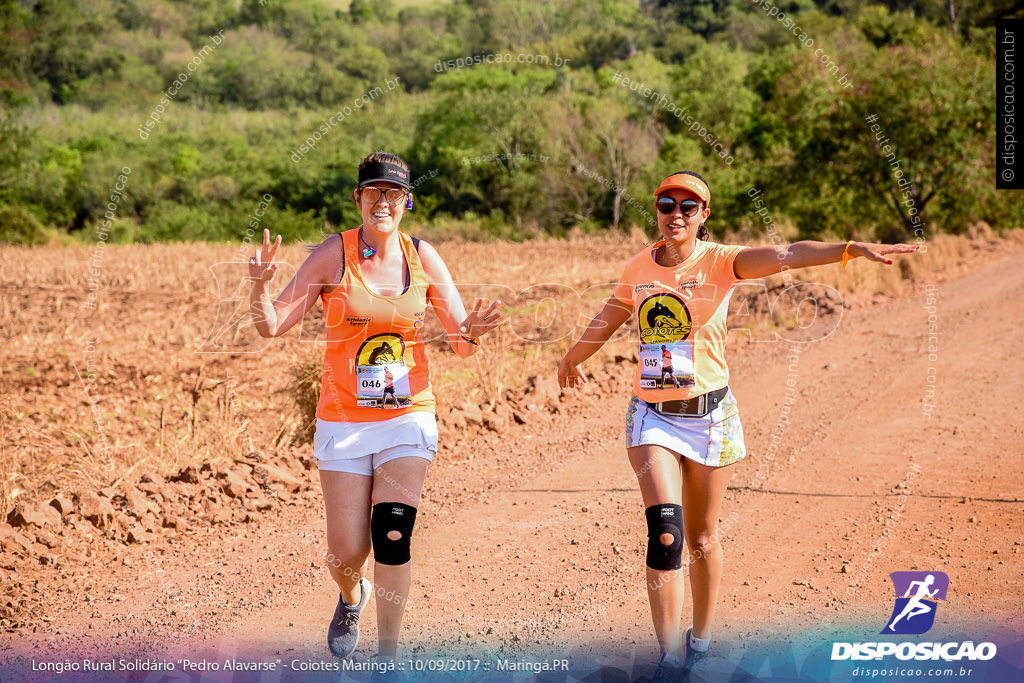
[[370, 336]]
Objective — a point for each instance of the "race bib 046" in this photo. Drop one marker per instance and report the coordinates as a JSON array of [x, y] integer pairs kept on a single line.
[[382, 377]]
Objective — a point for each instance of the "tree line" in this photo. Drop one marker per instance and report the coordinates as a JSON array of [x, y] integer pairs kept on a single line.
[[845, 118]]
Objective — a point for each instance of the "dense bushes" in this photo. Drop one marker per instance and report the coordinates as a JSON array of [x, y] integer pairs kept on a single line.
[[508, 145]]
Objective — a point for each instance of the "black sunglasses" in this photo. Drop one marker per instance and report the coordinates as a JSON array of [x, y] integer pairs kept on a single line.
[[667, 205]]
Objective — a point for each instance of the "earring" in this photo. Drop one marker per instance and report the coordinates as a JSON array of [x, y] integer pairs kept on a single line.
[[408, 204]]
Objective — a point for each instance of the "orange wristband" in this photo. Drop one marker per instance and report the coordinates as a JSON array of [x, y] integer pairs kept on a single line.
[[846, 254]]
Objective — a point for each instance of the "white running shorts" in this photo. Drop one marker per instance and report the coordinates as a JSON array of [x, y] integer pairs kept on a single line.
[[361, 447], [715, 439]]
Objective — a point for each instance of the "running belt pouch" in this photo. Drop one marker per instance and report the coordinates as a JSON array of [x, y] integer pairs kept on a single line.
[[710, 403], [714, 398]]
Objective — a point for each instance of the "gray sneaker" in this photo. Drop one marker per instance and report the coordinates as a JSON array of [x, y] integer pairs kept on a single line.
[[669, 669], [343, 632], [692, 658]]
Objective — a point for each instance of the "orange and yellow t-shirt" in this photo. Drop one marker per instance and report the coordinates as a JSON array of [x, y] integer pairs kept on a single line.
[[681, 318], [374, 343]]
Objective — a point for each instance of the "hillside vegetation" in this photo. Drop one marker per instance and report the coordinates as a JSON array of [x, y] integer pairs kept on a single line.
[[157, 120]]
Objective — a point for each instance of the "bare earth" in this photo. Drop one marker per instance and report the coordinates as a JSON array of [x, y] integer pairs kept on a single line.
[[530, 541]]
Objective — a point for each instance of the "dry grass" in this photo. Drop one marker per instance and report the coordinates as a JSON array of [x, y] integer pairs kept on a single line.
[[862, 278], [7, 476], [305, 374], [94, 397]]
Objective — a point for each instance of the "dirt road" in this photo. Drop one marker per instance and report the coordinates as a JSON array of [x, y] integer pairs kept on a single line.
[[891, 452]]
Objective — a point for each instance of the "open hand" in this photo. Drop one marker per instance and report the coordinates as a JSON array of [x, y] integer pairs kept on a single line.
[[262, 266], [569, 376], [478, 323], [877, 252]]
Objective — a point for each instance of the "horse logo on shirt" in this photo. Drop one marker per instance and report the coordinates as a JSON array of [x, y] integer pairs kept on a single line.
[[381, 349], [664, 318], [382, 355]]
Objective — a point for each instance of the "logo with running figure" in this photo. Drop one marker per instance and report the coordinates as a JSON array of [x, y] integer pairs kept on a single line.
[[664, 319], [917, 596]]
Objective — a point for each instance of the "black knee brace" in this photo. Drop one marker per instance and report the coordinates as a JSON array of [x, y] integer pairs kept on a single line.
[[388, 517], [664, 519]]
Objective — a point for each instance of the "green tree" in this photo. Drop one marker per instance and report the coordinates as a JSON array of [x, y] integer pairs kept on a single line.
[[18, 226], [703, 17], [929, 155], [483, 131]]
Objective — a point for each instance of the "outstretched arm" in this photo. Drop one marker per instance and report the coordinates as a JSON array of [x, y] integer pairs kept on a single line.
[[447, 303], [600, 330], [274, 318], [757, 262]]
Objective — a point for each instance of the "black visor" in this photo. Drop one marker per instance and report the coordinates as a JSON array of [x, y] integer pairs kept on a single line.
[[382, 171]]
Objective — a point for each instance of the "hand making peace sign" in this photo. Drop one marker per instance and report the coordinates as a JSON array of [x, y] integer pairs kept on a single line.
[[262, 266]]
